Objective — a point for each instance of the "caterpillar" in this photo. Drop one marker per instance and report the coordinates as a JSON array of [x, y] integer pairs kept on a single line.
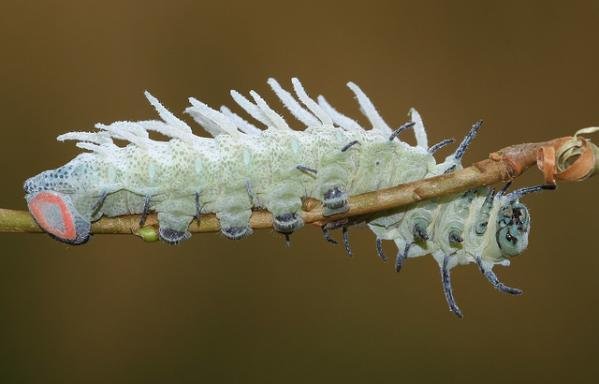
[[243, 167]]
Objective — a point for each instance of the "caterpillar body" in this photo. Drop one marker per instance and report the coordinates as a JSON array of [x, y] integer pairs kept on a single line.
[[243, 167]]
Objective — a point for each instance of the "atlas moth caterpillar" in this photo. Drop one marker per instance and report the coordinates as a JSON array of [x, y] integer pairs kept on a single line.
[[244, 167]]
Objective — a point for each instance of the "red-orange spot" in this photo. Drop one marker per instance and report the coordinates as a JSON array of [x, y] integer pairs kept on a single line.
[[40, 202]]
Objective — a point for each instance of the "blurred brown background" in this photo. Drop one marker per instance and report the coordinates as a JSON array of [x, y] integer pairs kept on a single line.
[[212, 310]]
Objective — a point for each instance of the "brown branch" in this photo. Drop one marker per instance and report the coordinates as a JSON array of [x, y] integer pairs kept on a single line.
[[567, 158]]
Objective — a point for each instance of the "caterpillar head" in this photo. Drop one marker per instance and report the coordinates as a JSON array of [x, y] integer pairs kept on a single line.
[[513, 225], [513, 221]]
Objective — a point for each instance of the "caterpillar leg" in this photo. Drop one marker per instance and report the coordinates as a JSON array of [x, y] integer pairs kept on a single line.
[[455, 238], [56, 214], [326, 234], [335, 201], [233, 211], [419, 231], [344, 225], [236, 233], [492, 277], [346, 244], [174, 217], [235, 225], [287, 223], [333, 179], [447, 289], [285, 204], [173, 229]]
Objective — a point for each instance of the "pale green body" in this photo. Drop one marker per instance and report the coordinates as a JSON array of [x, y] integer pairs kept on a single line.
[[244, 168], [222, 169], [232, 175]]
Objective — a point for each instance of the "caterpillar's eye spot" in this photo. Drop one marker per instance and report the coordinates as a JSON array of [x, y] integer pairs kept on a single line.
[[377, 162], [510, 238], [56, 214]]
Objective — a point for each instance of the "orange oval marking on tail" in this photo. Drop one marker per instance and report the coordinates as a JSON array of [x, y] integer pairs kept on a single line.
[[40, 202]]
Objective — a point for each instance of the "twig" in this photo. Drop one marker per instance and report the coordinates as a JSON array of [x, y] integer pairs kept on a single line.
[[568, 158]]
